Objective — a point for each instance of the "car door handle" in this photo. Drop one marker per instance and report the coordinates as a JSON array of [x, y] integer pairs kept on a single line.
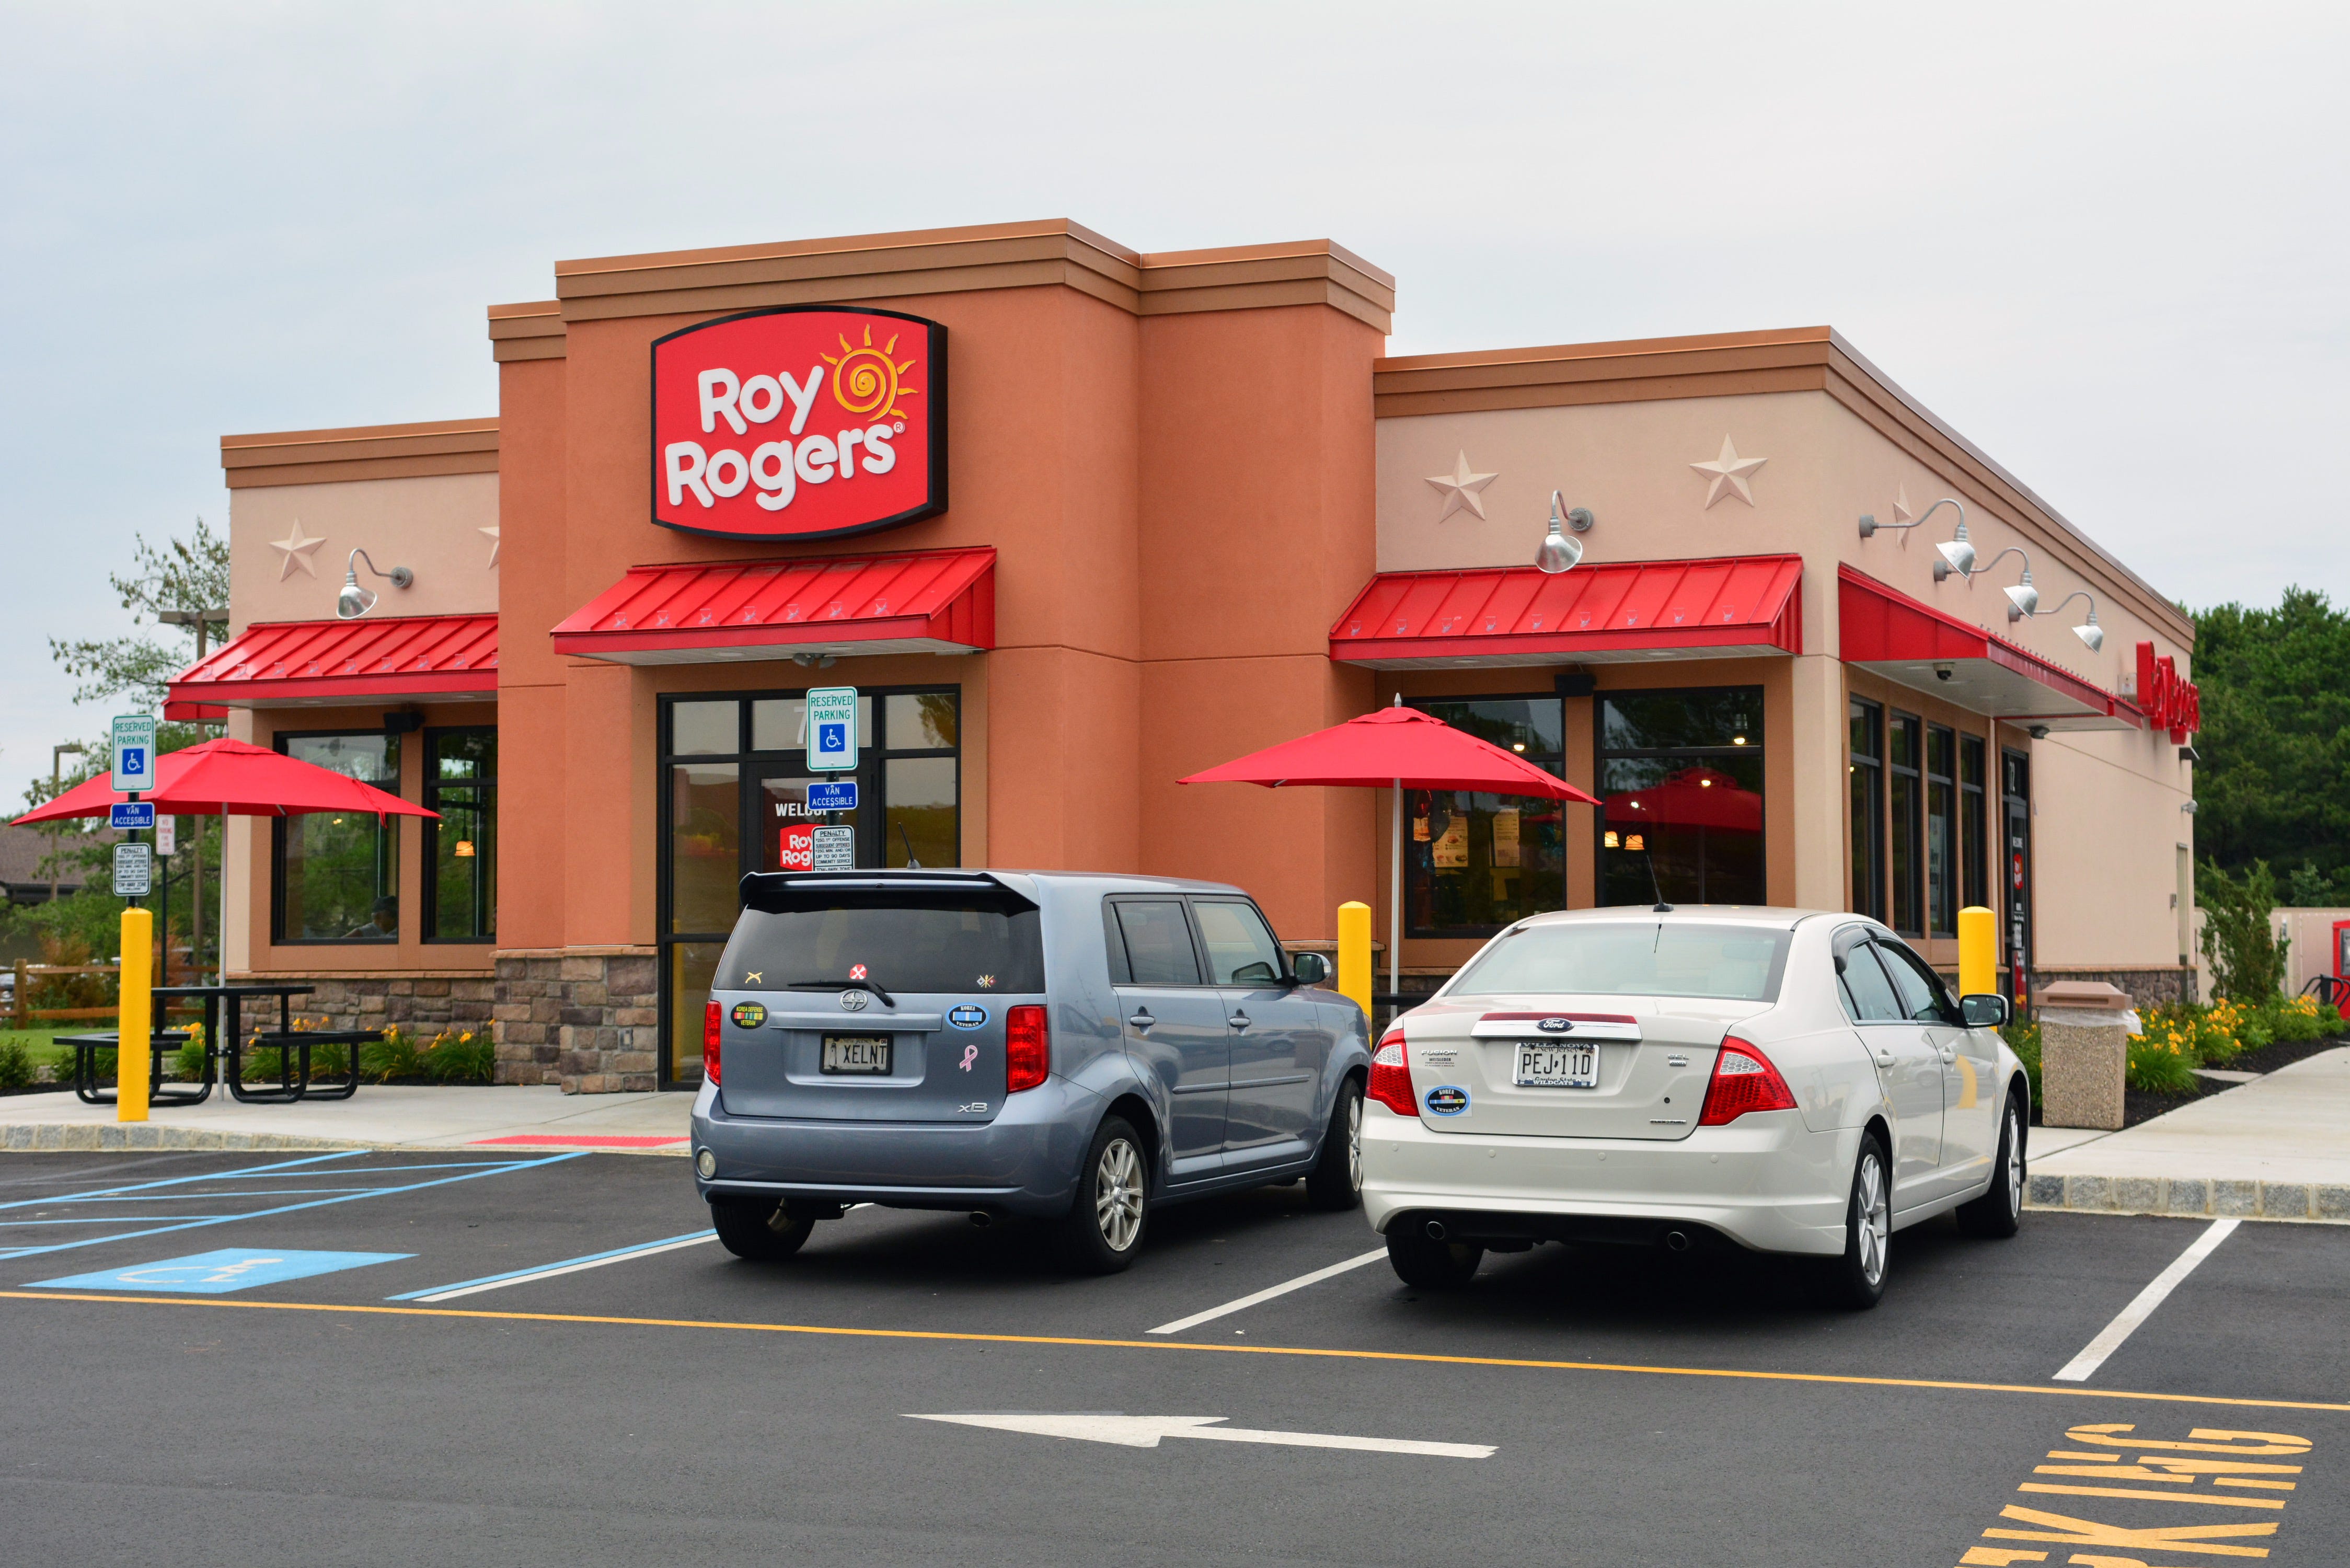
[[1950, 1054], [1238, 1020], [1142, 1019], [1885, 1057]]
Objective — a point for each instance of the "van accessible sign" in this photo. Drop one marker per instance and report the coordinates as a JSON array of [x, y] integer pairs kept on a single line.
[[799, 422]]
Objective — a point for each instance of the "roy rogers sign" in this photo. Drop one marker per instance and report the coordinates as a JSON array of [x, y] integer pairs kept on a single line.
[[797, 423], [2169, 703]]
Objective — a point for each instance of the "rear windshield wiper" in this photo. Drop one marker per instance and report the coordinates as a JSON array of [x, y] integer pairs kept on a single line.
[[887, 999]]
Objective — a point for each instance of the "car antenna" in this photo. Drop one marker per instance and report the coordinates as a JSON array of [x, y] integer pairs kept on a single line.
[[911, 864]]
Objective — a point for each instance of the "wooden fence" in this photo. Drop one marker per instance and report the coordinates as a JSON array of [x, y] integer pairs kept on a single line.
[[19, 1014]]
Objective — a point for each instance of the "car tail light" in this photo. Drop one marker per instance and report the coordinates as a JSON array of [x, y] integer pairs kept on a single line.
[[1391, 1077], [1027, 1048], [709, 1016], [1744, 1081]]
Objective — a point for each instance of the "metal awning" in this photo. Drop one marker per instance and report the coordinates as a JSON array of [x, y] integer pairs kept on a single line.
[[920, 601], [321, 663], [1889, 634], [1613, 612]]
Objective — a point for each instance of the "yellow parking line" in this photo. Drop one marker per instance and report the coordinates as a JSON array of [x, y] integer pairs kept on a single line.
[[1178, 1345]]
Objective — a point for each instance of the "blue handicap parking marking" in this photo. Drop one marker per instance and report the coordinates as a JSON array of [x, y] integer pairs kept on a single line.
[[219, 1272]]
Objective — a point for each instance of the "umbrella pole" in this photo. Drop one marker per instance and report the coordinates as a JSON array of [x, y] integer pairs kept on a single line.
[[221, 938], [1395, 902]]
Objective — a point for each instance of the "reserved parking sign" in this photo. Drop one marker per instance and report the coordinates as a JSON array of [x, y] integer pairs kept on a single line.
[[832, 729]]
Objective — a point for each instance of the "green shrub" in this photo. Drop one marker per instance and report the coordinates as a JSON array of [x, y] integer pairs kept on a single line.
[[2023, 1036], [2247, 956], [16, 1065], [2162, 1064]]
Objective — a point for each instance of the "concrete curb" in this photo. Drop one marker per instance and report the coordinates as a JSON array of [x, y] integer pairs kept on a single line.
[[2208, 1197], [71, 1138]]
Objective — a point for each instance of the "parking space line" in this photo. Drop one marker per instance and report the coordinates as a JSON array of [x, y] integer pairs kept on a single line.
[[1197, 1346], [549, 1271], [482, 1168], [183, 1180], [1282, 1289], [2093, 1354]]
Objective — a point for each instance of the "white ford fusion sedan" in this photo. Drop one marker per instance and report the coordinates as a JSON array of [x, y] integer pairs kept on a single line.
[[1791, 1081]]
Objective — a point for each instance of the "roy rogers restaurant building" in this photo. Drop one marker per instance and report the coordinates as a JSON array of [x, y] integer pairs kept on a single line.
[[1074, 522]]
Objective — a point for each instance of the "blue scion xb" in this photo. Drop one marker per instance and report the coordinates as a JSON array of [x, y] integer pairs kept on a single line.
[[1066, 1047]]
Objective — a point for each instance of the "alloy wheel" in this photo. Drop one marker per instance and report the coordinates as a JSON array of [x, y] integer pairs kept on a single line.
[[2014, 1165], [1117, 1195], [1355, 1141], [1875, 1227]]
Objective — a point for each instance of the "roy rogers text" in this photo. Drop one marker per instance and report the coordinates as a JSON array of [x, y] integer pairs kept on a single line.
[[799, 423]]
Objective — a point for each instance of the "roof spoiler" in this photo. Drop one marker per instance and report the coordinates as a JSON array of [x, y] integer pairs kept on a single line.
[[776, 892]]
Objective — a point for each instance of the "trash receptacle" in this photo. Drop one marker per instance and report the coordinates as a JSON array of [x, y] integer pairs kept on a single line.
[[2085, 1031]]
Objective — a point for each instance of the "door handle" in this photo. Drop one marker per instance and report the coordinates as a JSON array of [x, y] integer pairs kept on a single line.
[[1885, 1057], [1143, 1019], [1238, 1020], [1950, 1054]]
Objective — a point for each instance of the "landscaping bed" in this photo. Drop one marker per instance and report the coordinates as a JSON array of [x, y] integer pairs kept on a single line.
[[2179, 1039]]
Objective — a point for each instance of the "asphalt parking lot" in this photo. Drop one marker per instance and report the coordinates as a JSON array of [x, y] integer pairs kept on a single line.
[[529, 1358]]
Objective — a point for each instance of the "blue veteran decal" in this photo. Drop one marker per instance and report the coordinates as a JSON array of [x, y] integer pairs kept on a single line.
[[970, 1016], [1447, 1100]]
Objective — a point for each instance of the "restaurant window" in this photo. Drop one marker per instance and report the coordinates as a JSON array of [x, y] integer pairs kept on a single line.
[[1942, 831], [1681, 785], [461, 849], [334, 875], [1864, 778], [738, 797], [1905, 737], [1973, 850], [1473, 862]]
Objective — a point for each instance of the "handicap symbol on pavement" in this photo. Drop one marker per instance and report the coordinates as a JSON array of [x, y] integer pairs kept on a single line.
[[219, 1272]]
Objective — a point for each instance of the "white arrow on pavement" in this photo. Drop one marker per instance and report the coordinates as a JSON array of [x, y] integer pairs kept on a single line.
[[1144, 1432]]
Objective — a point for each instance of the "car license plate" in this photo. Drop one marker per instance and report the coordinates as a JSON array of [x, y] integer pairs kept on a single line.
[[1548, 1066], [856, 1053]]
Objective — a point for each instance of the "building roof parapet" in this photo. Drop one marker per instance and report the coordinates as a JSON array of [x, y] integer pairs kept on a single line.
[[361, 451], [530, 330]]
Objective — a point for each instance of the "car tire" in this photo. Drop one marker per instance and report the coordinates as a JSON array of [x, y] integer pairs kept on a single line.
[[1102, 1233], [761, 1232], [1999, 1212], [1431, 1265], [1855, 1281], [1336, 1183]]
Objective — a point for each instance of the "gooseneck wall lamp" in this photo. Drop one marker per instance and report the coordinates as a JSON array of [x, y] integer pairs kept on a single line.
[[2022, 598], [1557, 552], [2089, 631], [355, 601]]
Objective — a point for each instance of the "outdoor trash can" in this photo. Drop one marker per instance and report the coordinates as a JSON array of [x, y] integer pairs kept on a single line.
[[2085, 1031]]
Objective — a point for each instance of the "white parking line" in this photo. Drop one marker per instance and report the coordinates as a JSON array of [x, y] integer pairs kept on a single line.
[[571, 1266], [2093, 1355], [1299, 1283]]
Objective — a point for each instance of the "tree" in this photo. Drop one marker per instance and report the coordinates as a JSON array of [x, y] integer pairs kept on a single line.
[[2274, 781], [189, 573], [2246, 955]]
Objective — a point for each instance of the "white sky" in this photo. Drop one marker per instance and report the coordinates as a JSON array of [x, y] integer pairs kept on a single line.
[[2107, 243]]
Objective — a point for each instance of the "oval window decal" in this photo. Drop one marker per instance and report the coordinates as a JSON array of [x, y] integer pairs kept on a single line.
[[749, 1015], [968, 1016], [1447, 1100]]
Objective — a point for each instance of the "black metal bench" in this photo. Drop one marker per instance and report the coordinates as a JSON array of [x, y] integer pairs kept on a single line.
[[159, 1092], [292, 1047]]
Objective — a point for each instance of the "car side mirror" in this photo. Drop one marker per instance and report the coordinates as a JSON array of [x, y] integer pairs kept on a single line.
[[1310, 968], [1985, 1009]]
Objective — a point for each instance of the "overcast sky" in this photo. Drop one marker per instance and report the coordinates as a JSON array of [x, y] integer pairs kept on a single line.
[[2107, 243]]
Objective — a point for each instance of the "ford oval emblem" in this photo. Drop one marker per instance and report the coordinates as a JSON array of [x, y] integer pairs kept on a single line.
[[852, 1002], [1447, 1100], [968, 1016], [1555, 1025]]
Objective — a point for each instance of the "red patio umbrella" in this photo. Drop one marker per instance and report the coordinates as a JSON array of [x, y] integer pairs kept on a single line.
[[231, 778], [1693, 797], [1399, 747]]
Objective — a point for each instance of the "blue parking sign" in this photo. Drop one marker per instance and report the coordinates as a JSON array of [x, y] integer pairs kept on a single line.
[[832, 729]]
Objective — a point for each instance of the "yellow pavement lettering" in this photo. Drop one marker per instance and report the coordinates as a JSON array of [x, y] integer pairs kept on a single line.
[[2213, 1440], [2071, 1532], [953, 1336], [2157, 1495], [1999, 1557], [2101, 1458]]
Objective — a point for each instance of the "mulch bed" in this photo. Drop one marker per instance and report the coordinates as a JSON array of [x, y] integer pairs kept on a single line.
[[2140, 1107]]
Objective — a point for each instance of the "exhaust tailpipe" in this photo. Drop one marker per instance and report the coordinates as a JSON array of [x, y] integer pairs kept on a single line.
[[982, 1219], [1676, 1242], [1436, 1232]]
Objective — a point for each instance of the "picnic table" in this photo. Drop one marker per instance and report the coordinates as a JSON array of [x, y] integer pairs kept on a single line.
[[226, 1041]]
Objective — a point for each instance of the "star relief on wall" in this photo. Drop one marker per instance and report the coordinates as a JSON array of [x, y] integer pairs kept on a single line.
[[1460, 488], [296, 550], [1728, 472], [491, 533]]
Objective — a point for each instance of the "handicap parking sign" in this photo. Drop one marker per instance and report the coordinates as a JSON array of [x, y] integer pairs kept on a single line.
[[217, 1273], [832, 729]]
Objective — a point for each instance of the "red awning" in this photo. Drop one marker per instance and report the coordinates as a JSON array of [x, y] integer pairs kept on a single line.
[[1890, 634], [920, 601], [314, 663], [1617, 612]]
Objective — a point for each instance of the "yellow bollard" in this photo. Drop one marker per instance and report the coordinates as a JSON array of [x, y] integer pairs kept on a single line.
[[1354, 953], [132, 1059], [1977, 950]]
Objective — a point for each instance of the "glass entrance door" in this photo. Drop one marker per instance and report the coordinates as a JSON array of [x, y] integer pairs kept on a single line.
[[2015, 779], [788, 834]]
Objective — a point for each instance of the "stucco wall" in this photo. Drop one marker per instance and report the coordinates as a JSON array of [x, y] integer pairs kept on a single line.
[[431, 524]]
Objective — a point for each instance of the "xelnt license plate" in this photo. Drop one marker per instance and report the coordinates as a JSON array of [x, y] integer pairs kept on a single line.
[[1547, 1066], [856, 1053]]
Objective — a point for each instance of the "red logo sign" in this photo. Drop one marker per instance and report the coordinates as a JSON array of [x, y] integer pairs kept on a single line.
[[796, 424], [2170, 702], [797, 850]]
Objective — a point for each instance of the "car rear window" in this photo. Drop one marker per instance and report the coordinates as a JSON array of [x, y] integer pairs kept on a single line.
[[1631, 958], [913, 940]]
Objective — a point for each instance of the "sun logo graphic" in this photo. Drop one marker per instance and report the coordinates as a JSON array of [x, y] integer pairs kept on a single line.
[[866, 382]]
